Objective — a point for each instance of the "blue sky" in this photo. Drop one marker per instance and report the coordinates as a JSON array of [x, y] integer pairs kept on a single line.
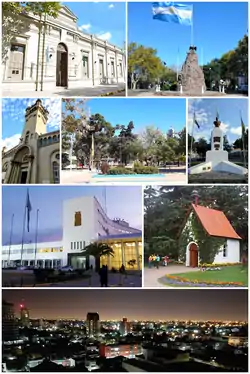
[[104, 19], [13, 112], [229, 114], [217, 28], [163, 113], [122, 202]]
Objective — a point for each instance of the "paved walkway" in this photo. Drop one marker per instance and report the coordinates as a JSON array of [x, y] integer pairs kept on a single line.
[[12, 278], [151, 93], [84, 176], [61, 92], [152, 276]]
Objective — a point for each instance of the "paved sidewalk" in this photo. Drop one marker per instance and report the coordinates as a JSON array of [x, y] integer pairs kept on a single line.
[[62, 92], [12, 278], [152, 275], [84, 176]]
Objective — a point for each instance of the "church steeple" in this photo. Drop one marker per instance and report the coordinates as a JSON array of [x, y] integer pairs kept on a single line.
[[36, 118]]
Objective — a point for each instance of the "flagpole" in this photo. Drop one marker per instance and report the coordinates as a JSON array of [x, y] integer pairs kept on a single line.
[[177, 63], [24, 221], [11, 231], [243, 139], [36, 235], [192, 28], [192, 136]]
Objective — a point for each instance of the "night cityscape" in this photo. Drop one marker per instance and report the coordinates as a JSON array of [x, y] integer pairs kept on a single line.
[[124, 330]]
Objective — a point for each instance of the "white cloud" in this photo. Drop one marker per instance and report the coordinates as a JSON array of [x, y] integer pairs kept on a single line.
[[236, 130], [111, 6], [105, 36], [85, 27], [11, 142]]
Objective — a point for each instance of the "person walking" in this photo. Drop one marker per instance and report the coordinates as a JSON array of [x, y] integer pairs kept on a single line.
[[158, 259], [104, 276]]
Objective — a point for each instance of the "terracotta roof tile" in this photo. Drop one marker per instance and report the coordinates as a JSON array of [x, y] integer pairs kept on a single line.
[[215, 222]]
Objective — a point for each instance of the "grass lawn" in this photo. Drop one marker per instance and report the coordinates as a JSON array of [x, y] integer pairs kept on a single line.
[[226, 274]]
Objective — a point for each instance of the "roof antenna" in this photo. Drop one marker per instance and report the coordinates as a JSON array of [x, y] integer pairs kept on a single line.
[[195, 196]]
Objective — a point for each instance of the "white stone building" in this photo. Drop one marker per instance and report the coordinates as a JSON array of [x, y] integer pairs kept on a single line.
[[216, 224], [66, 57], [83, 221]]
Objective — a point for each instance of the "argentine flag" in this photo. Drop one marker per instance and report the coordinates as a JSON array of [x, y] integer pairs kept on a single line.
[[171, 12]]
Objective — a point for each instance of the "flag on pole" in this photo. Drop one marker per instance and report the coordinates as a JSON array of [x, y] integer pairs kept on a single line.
[[195, 121], [243, 129], [172, 12], [29, 208]]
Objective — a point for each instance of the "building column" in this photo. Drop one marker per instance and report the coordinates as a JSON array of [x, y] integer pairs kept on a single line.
[[123, 253], [93, 61], [29, 169], [12, 178], [116, 67], [137, 254], [106, 62]]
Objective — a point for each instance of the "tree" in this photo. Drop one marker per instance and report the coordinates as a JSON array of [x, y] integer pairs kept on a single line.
[[143, 64], [14, 20], [229, 67], [98, 250], [201, 146]]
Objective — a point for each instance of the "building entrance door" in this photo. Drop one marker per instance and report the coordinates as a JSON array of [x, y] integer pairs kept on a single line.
[[62, 66], [16, 62], [193, 253]]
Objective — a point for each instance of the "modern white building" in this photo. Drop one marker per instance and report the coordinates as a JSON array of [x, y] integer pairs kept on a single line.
[[216, 224], [83, 221], [66, 57]]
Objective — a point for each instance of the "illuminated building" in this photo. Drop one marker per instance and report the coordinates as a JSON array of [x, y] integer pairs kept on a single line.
[[125, 327], [24, 316], [9, 324], [83, 221], [238, 341], [125, 350], [93, 324]]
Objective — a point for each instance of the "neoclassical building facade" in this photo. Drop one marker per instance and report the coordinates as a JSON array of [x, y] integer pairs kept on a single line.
[[36, 159], [66, 57]]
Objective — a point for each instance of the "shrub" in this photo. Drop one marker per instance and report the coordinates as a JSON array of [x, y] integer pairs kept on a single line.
[[173, 87], [119, 170], [146, 170], [137, 164]]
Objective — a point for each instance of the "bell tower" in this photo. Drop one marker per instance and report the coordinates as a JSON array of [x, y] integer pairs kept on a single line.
[[36, 118]]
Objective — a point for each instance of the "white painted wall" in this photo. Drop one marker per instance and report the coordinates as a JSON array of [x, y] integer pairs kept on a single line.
[[233, 253], [86, 232]]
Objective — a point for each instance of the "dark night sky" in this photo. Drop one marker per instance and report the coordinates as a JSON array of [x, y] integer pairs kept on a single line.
[[134, 304]]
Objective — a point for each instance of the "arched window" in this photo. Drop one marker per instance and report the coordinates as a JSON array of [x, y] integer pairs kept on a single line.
[[49, 140], [56, 173]]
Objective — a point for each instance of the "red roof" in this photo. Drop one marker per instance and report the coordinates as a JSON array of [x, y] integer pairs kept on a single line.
[[215, 222]]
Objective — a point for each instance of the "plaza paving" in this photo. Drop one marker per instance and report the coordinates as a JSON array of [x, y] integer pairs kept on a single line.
[[61, 92], [14, 278], [152, 93], [84, 176], [152, 275]]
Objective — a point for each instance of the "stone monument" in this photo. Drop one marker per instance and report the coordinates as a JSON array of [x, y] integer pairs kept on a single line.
[[217, 158], [192, 79]]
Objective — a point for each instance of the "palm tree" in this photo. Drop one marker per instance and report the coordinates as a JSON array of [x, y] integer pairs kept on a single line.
[[98, 250]]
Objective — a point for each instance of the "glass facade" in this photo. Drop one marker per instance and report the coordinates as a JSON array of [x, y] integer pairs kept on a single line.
[[127, 253]]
